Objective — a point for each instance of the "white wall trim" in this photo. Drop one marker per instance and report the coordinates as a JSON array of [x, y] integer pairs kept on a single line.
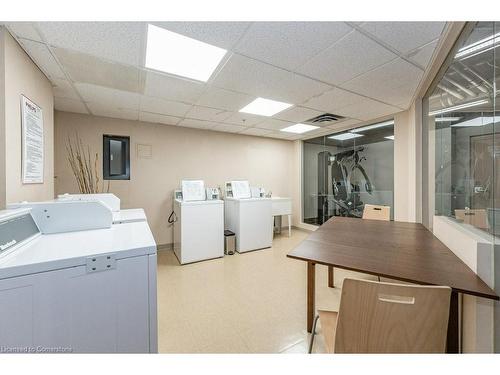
[[476, 250]]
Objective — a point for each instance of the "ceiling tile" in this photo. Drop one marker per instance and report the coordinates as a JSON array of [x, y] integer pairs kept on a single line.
[[106, 96], [423, 55], [164, 107], [167, 87], [256, 131], [244, 119], [159, 119], [405, 36], [41, 55], [281, 135], [24, 30], [220, 34], [89, 69], [258, 79], [69, 105], [224, 99], [273, 124], [367, 109], [116, 41], [352, 55], [298, 114], [99, 109], [197, 124], [208, 114], [63, 89], [393, 83], [231, 128], [289, 44], [319, 132], [344, 124], [332, 100]]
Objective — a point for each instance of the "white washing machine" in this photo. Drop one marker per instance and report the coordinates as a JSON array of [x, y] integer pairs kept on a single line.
[[78, 289], [199, 230], [198, 224], [251, 219]]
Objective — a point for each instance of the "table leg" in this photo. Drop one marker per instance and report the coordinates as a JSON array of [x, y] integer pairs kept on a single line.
[[452, 340], [311, 279], [289, 225], [330, 277]]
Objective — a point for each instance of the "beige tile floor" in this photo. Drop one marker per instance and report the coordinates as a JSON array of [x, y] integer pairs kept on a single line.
[[244, 303]]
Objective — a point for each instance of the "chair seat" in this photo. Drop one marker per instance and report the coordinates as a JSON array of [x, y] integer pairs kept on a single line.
[[328, 321]]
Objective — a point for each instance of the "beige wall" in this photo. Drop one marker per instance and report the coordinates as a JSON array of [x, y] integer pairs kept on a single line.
[[177, 153], [22, 76]]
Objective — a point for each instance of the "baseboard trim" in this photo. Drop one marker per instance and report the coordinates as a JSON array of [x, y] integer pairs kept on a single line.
[[165, 246]]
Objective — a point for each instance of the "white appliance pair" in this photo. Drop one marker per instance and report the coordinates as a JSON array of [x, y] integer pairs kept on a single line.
[[74, 280], [199, 222]]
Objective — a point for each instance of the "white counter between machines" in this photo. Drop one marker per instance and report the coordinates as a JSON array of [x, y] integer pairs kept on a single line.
[[129, 216]]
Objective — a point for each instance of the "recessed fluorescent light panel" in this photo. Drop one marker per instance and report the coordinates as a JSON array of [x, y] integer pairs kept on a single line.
[[299, 128], [265, 107], [373, 126], [177, 54], [478, 47], [478, 121], [345, 136], [457, 107], [391, 137], [447, 119]]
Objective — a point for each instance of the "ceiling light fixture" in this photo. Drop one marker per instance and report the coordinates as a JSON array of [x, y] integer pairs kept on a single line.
[[447, 119], [391, 137], [457, 107], [477, 121], [177, 54], [478, 47], [299, 128], [345, 136], [373, 126], [265, 107]]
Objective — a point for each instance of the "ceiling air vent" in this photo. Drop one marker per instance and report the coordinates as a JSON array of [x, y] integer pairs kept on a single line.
[[325, 119]]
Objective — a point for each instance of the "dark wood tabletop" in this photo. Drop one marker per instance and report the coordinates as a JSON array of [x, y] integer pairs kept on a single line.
[[396, 250]]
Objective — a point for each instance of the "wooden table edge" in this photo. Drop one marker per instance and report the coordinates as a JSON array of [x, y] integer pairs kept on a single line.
[[475, 294]]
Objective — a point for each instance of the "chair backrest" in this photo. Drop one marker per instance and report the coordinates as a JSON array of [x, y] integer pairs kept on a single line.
[[375, 212], [379, 317]]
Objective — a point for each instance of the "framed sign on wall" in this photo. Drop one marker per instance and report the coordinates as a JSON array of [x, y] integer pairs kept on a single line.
[[32, 142]]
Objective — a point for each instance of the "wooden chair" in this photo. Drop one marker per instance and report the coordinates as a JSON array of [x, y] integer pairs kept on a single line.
[[476, 218], [379, 317], [370, 211], [376, 212]]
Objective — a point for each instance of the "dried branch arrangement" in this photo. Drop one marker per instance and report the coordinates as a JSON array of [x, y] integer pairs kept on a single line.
[[84, 166]]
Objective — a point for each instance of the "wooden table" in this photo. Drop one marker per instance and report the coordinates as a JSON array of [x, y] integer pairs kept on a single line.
[[397, 250]]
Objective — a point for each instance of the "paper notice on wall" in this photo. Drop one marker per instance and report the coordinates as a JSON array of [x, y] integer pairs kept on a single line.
[[32, 142]]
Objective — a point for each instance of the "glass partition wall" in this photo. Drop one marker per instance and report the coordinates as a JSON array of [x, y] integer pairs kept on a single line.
[[463, 144], [461, 121], [343, 171]]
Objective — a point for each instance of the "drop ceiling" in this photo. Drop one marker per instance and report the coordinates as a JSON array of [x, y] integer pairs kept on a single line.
[[361, 71]]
